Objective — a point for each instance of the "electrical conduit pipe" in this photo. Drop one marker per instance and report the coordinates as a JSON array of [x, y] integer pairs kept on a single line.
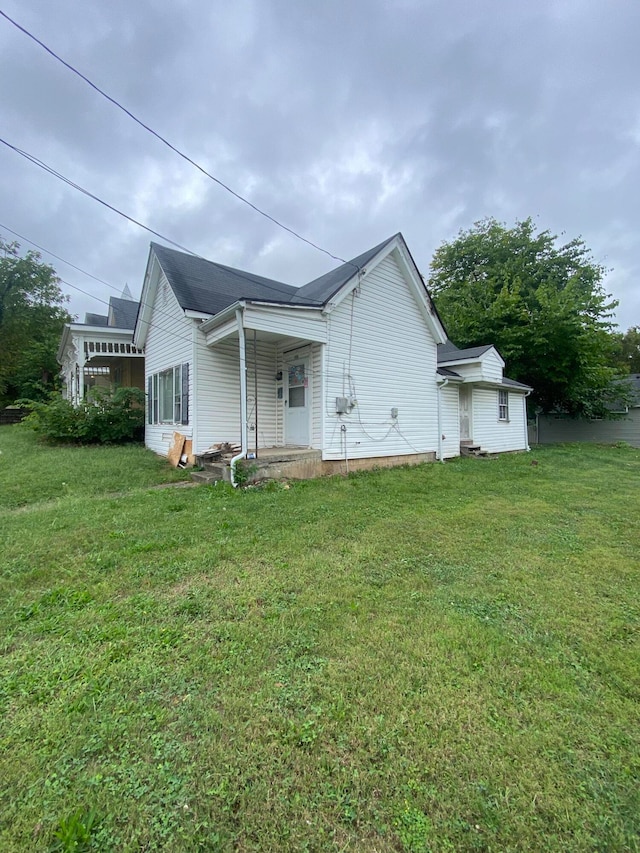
[[243, 396]]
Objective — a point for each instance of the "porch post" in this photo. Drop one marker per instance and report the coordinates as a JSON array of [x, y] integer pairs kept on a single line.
[[81, 363], [242, 344], [243, 394]]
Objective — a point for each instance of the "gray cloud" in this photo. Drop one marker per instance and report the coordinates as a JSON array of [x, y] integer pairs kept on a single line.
[[347, 121]]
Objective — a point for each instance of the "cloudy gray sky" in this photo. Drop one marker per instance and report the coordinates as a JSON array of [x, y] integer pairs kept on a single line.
[[348, 120]]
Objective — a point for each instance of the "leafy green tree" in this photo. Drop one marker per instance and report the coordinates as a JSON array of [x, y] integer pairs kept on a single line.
[[32, 316], [542, 304]]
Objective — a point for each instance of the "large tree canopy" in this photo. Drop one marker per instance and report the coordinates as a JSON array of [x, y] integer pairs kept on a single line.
[[541, 303], [32, 316]]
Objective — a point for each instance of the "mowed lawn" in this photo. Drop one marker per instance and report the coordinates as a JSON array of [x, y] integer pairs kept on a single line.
[[441, 658]]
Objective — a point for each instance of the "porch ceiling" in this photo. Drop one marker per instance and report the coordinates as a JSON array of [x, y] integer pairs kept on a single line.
[[261, 337]]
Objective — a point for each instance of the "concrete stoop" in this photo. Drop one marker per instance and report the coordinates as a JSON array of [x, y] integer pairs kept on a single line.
[[470, 449], [282, 463]]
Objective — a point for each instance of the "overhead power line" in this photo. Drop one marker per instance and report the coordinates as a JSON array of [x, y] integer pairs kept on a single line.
[[166, 142], [97, 298], [42, 165], [53, 255]]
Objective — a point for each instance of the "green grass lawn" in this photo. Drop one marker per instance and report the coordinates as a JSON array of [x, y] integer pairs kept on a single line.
[[441, 658]]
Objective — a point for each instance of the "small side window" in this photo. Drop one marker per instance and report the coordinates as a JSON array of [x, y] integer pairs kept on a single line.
[[503, 405]]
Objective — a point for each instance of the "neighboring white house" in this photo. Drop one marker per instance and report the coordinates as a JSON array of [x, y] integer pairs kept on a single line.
[[347, 365], [100, 351]]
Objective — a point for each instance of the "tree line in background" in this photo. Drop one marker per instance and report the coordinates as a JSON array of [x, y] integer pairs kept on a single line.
[[541, 303], [32, 316]]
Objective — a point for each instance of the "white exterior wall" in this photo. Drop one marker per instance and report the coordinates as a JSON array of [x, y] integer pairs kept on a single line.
[[469, 372], [218, 394], [169, 343], [393, 365], [292, 322], [492, 434], [450, 421], [486, 368], [267, 392], [491, 367]]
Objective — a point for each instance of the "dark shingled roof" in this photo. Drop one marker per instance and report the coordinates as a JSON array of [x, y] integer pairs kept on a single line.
[[205, 286], [444, 371], [209, 288], [96, 320], [320, 290], [124, 311], [450, 352], [511, 383]]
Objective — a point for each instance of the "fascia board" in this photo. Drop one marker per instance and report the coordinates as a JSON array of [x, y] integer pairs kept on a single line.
[[147, 298], [413, 277], [281, 305], [196, 315], [352, 282], [63, 342], [495, 351], [221, 316], [447, 362]]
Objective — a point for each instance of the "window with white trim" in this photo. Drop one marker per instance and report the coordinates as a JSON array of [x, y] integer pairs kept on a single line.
[[168, 396], [503, 405]]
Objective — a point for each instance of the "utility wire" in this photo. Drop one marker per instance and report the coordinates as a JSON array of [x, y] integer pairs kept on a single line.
[[167, 143], [42, 165], [53, 255], [157, 310]]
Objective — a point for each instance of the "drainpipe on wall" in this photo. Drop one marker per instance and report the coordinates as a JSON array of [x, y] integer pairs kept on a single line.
[[243, 395], [526, 422], [440, 449]]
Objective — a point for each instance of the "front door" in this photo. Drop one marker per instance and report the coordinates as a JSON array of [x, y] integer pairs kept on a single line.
[[297, 402], [465, 413]]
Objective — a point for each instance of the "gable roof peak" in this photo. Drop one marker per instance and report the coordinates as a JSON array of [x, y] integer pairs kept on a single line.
[[323, 288]]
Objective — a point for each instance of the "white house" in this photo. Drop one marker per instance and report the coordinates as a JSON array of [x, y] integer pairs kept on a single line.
[[350, 365], [481, 407], [100, 351]]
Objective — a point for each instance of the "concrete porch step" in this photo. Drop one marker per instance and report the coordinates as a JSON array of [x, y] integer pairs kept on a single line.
[[273, 463], [467, 449], [214, 472]]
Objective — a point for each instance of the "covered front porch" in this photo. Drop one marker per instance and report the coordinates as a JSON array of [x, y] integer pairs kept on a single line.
[[98, 357], [274, 376]]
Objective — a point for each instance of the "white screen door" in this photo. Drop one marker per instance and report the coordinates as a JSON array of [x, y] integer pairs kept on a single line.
[[465, 413], [297, 400]]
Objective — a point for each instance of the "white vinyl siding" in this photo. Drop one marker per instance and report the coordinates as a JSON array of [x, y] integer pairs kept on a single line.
[[218, 398], [450, 421], [491, 433], [291, 322], [487, 367], [169, 343], [263, 418], [492, 366], [380, 351]]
